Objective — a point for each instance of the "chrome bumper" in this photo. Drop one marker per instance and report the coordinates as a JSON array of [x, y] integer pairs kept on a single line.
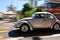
[[15, 25]]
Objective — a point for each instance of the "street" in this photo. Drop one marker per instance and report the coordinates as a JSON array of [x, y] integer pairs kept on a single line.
[[8, 32], [28, 16], [5, 28]]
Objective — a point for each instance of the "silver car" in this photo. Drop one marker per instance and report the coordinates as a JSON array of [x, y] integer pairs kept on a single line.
[[38, 20]]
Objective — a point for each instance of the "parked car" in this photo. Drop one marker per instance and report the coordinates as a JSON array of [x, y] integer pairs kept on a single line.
[[1, 17], [38, 20]]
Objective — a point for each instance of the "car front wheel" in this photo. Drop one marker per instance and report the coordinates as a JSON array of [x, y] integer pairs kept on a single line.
[[56, 27], [24, 28]]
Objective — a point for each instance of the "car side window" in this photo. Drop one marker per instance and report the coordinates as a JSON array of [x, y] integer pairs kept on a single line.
[[42, 15], [39, 16], [51, 16], [48, 16]]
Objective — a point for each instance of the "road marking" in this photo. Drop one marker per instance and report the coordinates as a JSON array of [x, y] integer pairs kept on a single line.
[[4, 31], [55, 35], [1, 36], [17, 38], [14, 38]]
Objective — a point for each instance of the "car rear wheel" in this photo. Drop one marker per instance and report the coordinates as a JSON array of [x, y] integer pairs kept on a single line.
[[56, 27], [24, 28]]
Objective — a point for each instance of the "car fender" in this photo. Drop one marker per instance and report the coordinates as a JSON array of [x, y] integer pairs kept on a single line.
[[54, 23], [30, 25]]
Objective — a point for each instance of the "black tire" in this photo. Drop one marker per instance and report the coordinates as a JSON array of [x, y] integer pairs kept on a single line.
[[24, 28], [56, 27]]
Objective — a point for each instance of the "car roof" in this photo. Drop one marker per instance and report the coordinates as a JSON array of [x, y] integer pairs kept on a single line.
[[42, 13]]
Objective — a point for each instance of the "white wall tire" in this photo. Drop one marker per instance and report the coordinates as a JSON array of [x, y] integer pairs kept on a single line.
[[56, 27], [24, 28]]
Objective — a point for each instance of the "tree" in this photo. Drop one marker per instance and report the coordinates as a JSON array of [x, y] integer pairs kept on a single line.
[[27, 10], [18, 12], [19, 15], [39, 9]]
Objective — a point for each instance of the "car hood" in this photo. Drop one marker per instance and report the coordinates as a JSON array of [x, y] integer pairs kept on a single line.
[[28, 18], [24, 19]]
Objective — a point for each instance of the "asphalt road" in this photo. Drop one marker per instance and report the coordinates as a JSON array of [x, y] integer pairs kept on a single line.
[[7, 32]]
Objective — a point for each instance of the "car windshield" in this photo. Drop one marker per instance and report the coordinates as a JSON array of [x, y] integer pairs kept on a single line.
[[33, 15]]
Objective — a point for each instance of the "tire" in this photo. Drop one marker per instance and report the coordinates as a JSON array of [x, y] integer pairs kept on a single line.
[[24, 28], [56, 27]]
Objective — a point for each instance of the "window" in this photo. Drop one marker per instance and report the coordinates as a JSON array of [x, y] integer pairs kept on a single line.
[[37, 16], [49, 16], [53, 5], [40, 16], [33, 15]]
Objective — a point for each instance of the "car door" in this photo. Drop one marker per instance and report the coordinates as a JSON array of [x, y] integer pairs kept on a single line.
[[44, 21], [38, 21], [48, 20]]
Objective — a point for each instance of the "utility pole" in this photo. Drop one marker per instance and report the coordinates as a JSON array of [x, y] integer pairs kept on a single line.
[[32, 2], [35, 3]]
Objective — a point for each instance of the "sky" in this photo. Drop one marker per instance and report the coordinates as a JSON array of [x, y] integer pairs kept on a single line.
[[16, 3]]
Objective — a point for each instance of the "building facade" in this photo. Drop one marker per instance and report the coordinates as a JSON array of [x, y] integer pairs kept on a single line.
[[53, 6], [1, 14], [53, 3], [10, 14]]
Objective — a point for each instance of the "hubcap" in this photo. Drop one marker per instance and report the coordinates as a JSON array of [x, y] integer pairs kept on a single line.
[[24, 28], [56, 27]]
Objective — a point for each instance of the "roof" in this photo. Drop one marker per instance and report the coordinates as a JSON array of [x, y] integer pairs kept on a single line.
[[11, 13], [54, 10], [42, 13], [1, 14], [53, 1]]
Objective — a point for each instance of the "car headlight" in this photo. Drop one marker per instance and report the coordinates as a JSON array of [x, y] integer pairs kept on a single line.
[[14, 25]]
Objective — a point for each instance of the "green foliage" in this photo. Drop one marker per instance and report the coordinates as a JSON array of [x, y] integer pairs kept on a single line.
[[18, 15], [27, 10], [29, 13], [39, 9], [18, 12], [27, 7]]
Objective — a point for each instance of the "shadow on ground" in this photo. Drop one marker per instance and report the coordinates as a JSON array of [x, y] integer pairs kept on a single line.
[[37, 32]]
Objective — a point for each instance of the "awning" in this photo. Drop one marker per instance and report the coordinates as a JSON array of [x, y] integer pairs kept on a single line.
[[54, 10]]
